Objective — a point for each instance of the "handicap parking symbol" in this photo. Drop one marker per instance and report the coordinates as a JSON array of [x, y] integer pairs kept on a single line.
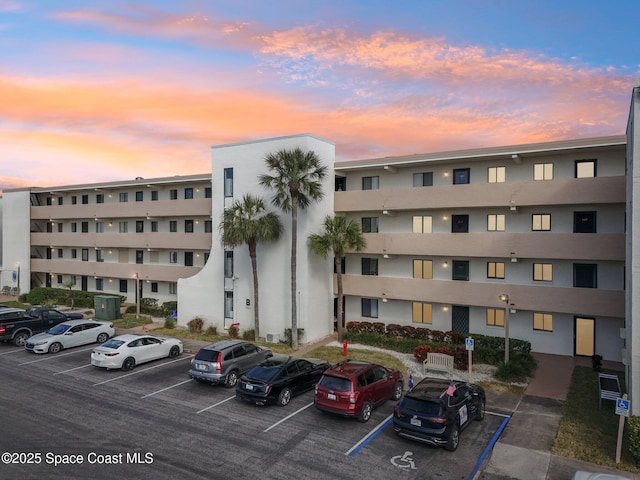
[[404, 461]]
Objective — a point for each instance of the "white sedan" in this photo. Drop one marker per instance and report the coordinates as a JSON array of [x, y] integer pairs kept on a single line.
[[127, 351], [70, 333]]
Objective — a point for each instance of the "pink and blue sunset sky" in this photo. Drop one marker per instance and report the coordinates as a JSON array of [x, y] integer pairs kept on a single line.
[[110, 90]]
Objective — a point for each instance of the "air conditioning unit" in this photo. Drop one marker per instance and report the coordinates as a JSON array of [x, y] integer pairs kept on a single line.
[[273, 338]]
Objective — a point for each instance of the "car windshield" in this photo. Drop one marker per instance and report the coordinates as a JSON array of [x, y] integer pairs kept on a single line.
[[207, 355], [421, 406], [335, 383], [264, 373], [58, 329], [113, 343]]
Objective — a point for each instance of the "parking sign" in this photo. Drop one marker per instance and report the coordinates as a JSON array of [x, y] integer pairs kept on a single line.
[[622, 407], [469, 343]]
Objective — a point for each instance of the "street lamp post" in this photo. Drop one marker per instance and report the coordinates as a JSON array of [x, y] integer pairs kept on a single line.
[[137, 295], [505, 298]]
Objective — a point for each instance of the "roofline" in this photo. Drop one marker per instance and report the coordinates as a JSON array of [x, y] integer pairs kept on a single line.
[[506, 151], [264, 140]]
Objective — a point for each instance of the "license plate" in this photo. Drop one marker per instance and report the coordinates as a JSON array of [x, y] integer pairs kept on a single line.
[[416, 422], [200, 366], [331, 396], [249, 387]]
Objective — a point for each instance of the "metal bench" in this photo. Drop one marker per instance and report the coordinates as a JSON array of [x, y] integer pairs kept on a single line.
[[440, 362], [608, 388]]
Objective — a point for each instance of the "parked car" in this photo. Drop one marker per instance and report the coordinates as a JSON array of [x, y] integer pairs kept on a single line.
[[47, 313], [354, 388], [279, 378], [127, 351], [71, 333], [434, 411], [224, 361], [16, 326]]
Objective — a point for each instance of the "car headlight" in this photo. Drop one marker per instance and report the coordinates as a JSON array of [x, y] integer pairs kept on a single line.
[[44, 342]]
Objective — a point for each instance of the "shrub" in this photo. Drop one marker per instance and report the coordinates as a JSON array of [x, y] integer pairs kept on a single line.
[[234, 331], [445, 350], [212, 330], [195, 325], [633, 434], [287, 334], [518, 369], [169, 307], [420, 352], [461, 358], [169, 323], [249, 334]]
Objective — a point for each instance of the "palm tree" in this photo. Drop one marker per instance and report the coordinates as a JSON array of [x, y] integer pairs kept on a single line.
[[297, 182], [339, 236], [246, 221]]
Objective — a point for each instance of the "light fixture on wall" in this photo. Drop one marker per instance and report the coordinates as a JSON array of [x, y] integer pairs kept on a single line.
[[514, 259], [445, 308], [445, 264]]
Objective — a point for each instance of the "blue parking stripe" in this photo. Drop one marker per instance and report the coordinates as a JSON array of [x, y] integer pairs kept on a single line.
[[489, 447], [370, 437]]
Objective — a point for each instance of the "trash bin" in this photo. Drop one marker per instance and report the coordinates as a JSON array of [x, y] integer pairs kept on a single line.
[[107, 307]]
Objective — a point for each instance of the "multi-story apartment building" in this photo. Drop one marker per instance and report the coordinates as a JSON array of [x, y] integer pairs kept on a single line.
[[111, 237]]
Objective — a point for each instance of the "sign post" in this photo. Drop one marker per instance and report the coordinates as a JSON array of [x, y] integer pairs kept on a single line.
[[622, 409], [469, 344]]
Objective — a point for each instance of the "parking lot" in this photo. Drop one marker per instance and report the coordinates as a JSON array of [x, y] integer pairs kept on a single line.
[[154, 422]]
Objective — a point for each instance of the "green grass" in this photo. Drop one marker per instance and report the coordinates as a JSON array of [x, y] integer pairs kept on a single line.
[[130, 321], [334, 355], [586, 432]]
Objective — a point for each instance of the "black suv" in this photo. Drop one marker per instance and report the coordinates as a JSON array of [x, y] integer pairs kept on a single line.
[[224, 361]]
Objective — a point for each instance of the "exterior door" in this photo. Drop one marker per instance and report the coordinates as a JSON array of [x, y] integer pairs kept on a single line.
[[460, 319], [585, 336]]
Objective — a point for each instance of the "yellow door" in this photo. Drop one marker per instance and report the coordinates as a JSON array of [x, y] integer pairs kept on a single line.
[[585, 336]]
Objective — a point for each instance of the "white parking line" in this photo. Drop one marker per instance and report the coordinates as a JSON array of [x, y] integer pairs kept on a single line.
[[57, 355], [140, 371], [72, 369], [288, 417], [497, 414], [13, 351], [168, 388], [215, 405]]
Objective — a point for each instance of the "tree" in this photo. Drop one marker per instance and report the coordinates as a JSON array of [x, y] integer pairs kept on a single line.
[[297, 181], [70, 284], [339, 236], [247, 222]]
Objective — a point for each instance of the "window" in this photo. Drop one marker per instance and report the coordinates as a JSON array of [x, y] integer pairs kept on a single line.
[[543, 322], [139, 256], [343, 265], [543, 272], [541, 222], [422, 313], [99, 227], [422, 269], [173, 288], [495, 317], [543, 171], [228, 182], [49, 253], [85, 227], [371, 183], [123, 227], [124, 197], [99, 257], [369, 224], [584, 222], [208, 226], [154, 226], [422, 223], [49, 201], [460, 176], [459, 223], [228, 304], [495, 270], [139, 226], [85, 254], [173, 257], [369, 266], [74, 200], [59, 278], [154, 195], [495, 223], [423, 179], [100, 198], [585, 168], [154, 287], [188, 193], [585, 275], [74, 227], [123, 286], [60, 253], [460, 270], [173, 194], [60, 200], [49, 227], [85, 199], [139, 196], [496, 174], [99, 284], [188, 226], [74, 253], [228, 264], [188, 259], [340, 184], [207, 192], [370, 307], [173, 225], [59, 227], [206, 257]]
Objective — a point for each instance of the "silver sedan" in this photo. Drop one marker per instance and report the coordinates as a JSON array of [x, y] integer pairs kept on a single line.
[[71, 333], [127, 351]]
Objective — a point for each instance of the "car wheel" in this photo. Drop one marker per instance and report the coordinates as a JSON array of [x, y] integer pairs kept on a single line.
[[454, 438], [285, 397], [397, 391], [20, 339], [481, 410], [103, 337], [55, 347], [128, 364], [232, 379], [365, 413], [174, 352]]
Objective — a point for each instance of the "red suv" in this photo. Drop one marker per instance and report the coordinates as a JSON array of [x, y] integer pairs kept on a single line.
[[353, 388]]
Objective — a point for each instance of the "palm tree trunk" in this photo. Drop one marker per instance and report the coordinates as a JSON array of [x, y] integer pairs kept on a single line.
[[254, 268], [294, 251], [338, 263]]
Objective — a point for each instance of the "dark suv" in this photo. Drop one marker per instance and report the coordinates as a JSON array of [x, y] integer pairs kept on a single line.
[[354, 388], [224, 361]]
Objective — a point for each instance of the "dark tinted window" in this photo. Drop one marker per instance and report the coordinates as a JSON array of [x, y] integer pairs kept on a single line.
[[420, 406], [264, 374], [113, 343], [207, 355], [238, 351], [89, 326], [335, 383], [370, 376]]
